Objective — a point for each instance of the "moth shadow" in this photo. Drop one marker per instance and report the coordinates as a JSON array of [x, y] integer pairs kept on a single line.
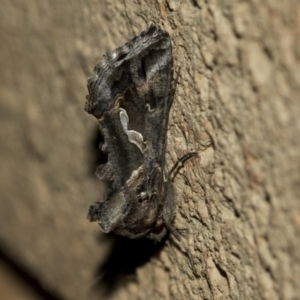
[[125, 257]]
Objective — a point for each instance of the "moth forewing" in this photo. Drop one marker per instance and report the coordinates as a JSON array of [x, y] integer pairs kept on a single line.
[[131, 94]]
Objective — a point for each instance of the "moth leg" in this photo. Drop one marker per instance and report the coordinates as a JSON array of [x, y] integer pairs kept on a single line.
[[169, 209], [175, 83], [164, 223], [169, 213], [105, 172], [179, 164], [158, 236]]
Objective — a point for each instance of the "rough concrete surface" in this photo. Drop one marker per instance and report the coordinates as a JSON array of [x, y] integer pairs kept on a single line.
[[237, 103]]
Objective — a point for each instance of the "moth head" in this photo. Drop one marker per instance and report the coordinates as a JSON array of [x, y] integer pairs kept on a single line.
[[126, 212], [139, 214]]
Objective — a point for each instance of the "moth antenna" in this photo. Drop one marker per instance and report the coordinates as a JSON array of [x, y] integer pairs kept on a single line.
[[180, 163], [183, 248], [176, 81]]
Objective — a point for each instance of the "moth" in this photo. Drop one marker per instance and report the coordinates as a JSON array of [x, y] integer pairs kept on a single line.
[[131, 94]]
